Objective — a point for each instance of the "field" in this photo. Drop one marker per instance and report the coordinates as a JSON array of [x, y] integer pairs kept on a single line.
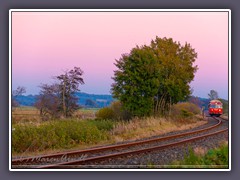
[[31, 114], [32, 136]]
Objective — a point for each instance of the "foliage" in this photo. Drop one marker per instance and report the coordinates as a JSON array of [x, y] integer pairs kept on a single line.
[[119, 113], [58, 134], [68, 85], [105, 100], [136, 81], [186, 114], [115, 112], [151, 78], [105, 113], [59, 98], [185, 109], [213, 95], [34, 135], [105, 125], [48, 101], [218, 156], [225, 106]]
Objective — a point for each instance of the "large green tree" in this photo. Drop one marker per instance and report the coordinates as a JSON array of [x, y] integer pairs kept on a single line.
[[136, 81], [177, 69], [151, 78]]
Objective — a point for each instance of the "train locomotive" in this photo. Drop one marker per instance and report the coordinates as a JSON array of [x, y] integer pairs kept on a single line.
[[215, 108]]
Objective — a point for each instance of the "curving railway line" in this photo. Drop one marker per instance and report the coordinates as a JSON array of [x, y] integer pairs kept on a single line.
[[73, 159]]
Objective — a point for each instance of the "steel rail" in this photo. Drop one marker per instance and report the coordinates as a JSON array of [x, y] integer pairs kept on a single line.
[[93, 159], [225, 119], [35, 159]]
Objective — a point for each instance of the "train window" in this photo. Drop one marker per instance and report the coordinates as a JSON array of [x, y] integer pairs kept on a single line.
[[215, 106], [212, 105], [218, 106]]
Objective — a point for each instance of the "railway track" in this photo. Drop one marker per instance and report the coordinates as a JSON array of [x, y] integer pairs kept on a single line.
[[82, 157]]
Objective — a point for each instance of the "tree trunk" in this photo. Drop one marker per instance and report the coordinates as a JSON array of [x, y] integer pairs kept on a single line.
[[63, 97], [170, 105]]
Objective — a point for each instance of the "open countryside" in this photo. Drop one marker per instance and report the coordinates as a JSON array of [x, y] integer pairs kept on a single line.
[[152, 104]]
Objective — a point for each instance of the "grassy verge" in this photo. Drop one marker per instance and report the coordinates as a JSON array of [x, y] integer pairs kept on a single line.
[[142, 128], [200, 158], [58, 135]]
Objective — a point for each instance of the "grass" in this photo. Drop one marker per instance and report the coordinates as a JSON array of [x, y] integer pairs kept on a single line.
[[142, 128], [31, 115], [201, 158], [25, 115], [32, 136], [86, 113], [74, 134], [58, 134]]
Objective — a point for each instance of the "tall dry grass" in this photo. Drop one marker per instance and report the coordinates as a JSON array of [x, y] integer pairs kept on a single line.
[[28, 127], [142, 128], [25, 115]]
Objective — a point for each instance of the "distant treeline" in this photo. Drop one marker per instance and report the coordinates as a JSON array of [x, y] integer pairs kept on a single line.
[[99, 101], [84, 100]]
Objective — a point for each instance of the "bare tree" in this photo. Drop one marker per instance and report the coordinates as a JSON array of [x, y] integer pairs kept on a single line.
[[16, 93], [48, 101], [69, 83], [213, 95], [60, 98]]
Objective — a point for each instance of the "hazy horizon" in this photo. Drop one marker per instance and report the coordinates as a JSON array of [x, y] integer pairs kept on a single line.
[[44, 44]]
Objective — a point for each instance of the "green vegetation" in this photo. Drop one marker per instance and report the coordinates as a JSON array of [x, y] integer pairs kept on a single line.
[[105, 113], [185, 110], [149, 82], [32, 135], [214, 158], [225, 106], [151, 78], [59, 99], [58, 134], [29, 114], [115, 112]]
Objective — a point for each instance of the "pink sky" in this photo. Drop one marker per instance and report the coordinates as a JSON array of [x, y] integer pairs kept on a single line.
[[46, 43]]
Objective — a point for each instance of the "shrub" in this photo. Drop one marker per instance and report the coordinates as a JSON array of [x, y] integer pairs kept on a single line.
[[59, 134], [116, 106], [119, 113], [115, 112], [185, 113], [185, 110], [104, 125], [217, 157], [105, 113]]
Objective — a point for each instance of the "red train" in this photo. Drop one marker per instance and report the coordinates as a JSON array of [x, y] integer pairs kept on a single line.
[[215, 108]]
